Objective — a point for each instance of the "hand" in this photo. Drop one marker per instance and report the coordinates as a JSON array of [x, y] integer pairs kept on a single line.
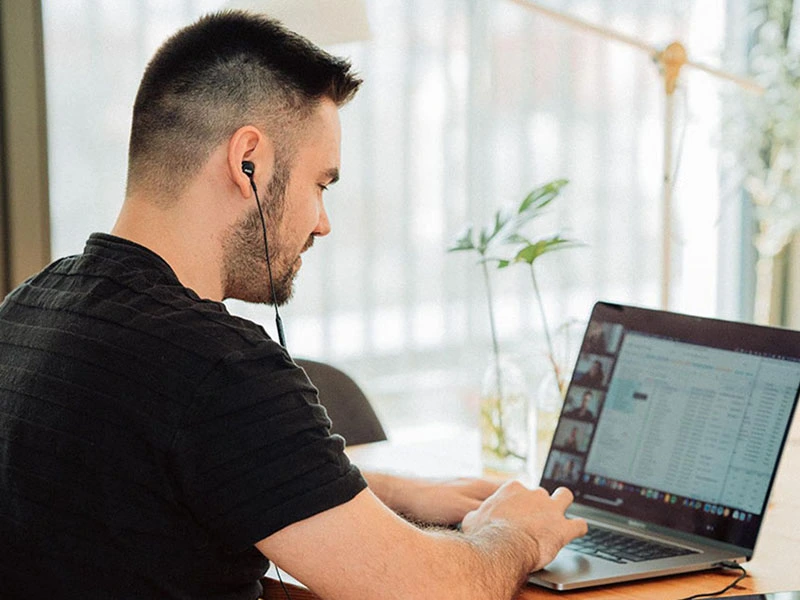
[[534, 513], [434, 502], [447, 502]]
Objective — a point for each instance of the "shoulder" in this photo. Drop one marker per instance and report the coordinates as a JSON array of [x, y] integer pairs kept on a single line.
[[120, 305], [129, 285]]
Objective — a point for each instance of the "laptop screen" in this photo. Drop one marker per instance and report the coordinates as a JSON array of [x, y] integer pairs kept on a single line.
[[676, 420]]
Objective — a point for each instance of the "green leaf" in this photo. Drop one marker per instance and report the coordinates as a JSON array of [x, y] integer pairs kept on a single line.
[[534, 250], [542, 196], [502, 261], [463, 241], [483, 241], [516, 238], [506, 229], [501, 218], [488, 236], [533, 206]]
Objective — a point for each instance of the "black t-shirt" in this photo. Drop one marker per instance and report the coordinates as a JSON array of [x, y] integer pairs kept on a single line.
[[148, 438]]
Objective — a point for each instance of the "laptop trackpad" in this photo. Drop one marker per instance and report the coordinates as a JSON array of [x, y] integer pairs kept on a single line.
[[570, 563], [570, 568]]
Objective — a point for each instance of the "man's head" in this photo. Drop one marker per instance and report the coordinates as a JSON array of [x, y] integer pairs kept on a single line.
[[230, 77], [298, 188], [209, 79]]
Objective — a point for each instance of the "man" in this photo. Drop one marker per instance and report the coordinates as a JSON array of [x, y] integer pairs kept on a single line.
[[594, 376], [154, 446], [583, 412]]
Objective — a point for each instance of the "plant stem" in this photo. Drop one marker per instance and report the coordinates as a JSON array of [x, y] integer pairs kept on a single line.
[[495, 345], [495, 348], [550, 349]]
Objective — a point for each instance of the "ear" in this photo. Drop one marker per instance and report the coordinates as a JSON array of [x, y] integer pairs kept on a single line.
[[250, 143]]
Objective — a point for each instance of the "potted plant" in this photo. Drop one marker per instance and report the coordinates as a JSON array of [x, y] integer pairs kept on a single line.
[[766, 143], [504, 403]]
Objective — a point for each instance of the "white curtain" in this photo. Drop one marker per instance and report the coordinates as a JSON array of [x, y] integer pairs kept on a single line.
[[467, 105]]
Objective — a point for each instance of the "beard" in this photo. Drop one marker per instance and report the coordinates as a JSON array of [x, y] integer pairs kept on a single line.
[[245, 273]]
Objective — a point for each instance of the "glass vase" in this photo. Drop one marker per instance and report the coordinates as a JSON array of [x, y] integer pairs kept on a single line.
[[551, 369], [504, 413], [549, 401]]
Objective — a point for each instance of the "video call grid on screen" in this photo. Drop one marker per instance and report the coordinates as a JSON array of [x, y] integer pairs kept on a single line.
[[703, 423], [674, 421]]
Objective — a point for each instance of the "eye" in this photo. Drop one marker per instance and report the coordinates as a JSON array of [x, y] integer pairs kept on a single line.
[[323, 187]]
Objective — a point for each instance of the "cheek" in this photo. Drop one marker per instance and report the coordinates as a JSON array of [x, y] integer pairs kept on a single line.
[[301, 217], [297, 230], [311, 216]]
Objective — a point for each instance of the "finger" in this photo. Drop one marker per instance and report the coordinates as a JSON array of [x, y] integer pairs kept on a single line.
[[577, 528], [468, 505], [483, 488], [515, 486], [463, 504], [468, 519], [563, 497]]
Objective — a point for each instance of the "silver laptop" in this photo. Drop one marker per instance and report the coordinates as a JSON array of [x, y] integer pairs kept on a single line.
[[669, 438]]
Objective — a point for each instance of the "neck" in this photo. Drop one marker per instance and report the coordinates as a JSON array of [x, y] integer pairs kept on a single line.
[[190, 244]]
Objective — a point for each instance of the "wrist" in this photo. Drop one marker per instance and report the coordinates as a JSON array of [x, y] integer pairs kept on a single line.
[[504, 556], [387, 489], [504, 538]]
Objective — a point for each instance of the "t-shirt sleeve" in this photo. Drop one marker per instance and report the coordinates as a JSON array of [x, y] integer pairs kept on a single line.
[[256, 453]]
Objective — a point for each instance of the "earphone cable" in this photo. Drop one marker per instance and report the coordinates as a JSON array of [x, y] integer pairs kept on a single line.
[[283, 586], [278, 321]]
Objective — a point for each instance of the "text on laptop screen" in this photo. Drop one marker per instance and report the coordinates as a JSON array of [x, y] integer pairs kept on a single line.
[[651, 421], [701, 422]]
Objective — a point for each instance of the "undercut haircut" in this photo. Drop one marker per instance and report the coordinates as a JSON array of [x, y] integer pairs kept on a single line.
[[227, 70]]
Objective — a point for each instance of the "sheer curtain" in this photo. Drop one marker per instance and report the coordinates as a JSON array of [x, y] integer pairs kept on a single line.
[[467, 105]]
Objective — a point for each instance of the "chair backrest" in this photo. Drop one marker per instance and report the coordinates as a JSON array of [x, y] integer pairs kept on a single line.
[[349, 409]]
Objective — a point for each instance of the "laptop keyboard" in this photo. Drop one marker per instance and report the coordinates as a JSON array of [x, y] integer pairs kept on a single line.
[[621, 548]]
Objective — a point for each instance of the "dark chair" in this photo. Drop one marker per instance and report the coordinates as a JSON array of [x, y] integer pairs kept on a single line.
[[348, 407]]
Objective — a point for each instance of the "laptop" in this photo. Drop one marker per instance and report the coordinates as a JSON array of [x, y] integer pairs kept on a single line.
[[669, 438]]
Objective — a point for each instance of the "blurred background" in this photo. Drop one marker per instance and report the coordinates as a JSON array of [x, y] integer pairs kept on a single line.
[[467, 105]]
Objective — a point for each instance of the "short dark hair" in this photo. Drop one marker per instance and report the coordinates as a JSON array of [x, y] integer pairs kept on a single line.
[[226, 70]]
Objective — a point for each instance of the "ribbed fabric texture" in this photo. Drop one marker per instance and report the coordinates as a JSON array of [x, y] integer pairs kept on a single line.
[[148, 438]]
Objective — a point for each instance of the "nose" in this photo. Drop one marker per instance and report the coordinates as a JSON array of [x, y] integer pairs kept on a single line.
[[323, 224]]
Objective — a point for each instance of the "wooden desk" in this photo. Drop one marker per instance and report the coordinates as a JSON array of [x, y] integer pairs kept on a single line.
[[774, 567]]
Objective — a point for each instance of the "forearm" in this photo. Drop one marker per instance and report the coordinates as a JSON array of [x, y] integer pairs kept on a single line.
[[494, 559], [491, 563], [390, 489], [361, 549]]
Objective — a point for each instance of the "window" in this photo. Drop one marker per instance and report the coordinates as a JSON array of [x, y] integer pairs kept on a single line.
[[468, 104]]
